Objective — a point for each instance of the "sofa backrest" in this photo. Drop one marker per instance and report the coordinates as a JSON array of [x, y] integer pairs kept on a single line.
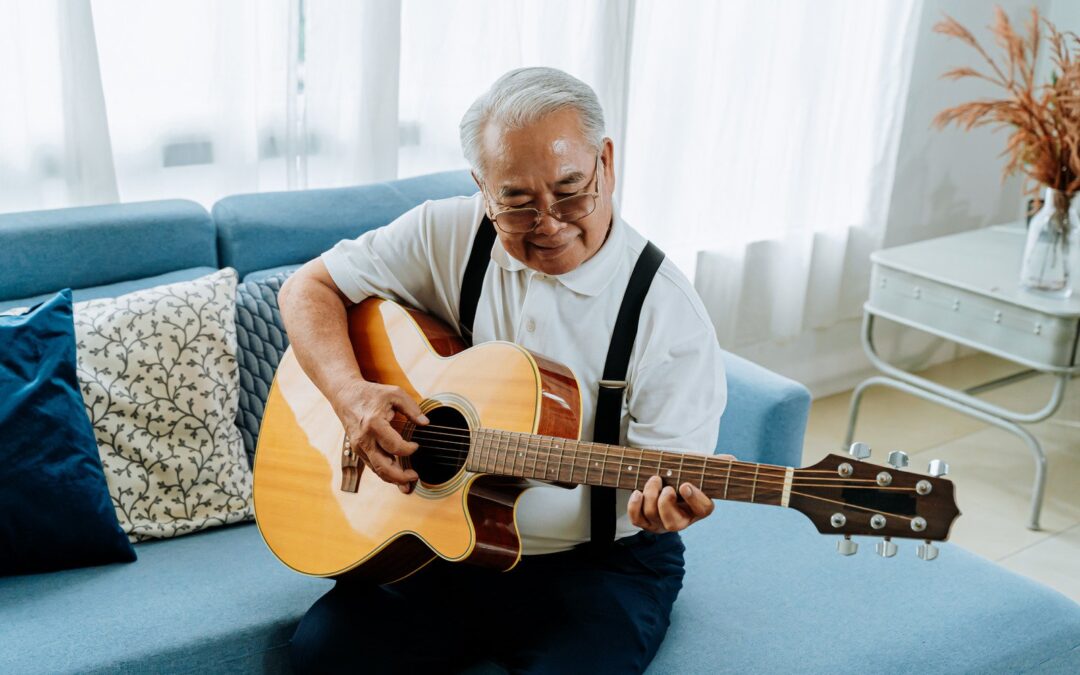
[[276, 229], [101, 246]]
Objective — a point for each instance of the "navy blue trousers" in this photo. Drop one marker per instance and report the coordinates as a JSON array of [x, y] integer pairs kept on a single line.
[[570, 612]]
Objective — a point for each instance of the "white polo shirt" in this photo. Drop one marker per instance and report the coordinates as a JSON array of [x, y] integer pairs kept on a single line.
[[676, 389]]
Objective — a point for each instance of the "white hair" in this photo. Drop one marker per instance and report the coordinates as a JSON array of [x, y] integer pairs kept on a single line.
[[523, 96]]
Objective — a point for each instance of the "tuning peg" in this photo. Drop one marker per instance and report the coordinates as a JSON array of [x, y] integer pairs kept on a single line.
[[937, 468], [859, 450], [886, 548], [847, 547], [898, 459], [927, 551]]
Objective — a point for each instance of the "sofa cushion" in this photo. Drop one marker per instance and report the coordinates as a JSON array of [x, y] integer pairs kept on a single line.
[[55, 510], [765, 417], [270, 229], [272, 272], [113, 290], [159, 378], [212, 602], [44, 251], [764, 593], [261, 338]]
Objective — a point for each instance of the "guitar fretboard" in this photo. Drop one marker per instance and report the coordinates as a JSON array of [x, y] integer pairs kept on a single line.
[[563, 460]]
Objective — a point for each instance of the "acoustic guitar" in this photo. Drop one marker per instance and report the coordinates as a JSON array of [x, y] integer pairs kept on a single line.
[[500, 417]]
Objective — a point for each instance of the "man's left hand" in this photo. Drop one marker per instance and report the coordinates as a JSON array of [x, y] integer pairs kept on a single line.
[[657, 509]]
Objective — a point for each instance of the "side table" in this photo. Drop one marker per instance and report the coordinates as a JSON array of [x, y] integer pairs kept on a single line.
[[965, 288]]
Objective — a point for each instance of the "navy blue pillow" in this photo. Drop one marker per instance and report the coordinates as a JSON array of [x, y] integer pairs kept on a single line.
[[55, 509]]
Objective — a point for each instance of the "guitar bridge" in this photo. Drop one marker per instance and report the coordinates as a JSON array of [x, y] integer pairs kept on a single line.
[[351, 468]]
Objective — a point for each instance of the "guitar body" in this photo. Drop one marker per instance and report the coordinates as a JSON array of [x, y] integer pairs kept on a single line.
[[317, 519]]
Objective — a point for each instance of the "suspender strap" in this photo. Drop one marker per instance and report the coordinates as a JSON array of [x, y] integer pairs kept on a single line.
[[608, 423], [473, 281]]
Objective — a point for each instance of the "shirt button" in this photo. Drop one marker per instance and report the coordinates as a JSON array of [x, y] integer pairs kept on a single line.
[[530, 325]]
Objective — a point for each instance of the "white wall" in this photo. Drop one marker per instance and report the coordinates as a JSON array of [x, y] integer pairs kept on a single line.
[[946, 181]]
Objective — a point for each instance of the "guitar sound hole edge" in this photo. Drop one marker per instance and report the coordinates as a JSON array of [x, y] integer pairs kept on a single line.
[[444, 446]]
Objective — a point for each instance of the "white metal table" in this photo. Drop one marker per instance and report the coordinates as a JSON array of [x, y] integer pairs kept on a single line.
[[965, 288]]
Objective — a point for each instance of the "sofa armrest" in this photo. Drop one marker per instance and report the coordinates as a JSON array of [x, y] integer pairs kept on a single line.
[[766, 413]]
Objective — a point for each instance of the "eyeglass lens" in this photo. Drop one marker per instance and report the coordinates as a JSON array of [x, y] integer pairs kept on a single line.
[[567, 210]]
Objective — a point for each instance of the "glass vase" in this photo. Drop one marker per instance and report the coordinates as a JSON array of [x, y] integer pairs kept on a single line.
[[1051, 260]]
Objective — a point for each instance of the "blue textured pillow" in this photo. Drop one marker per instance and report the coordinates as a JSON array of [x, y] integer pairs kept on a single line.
[[55, 510]]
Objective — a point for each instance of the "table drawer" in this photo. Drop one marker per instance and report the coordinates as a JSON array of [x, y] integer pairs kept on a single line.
[[1042, 341]]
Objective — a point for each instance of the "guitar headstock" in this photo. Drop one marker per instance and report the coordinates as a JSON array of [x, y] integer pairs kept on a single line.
[[850, 497]]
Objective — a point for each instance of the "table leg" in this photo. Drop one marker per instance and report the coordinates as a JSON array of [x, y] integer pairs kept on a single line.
[[963, 403], [1039, 487]]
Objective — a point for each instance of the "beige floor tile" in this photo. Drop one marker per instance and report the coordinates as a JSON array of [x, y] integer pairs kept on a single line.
[[893, 420], [1055, 562], [994, 473], [993, 470]]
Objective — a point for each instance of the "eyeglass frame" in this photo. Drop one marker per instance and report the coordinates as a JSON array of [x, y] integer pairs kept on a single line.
[[540, 214]]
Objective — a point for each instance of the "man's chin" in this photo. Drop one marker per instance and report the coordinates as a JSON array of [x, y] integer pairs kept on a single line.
[[553, 261]]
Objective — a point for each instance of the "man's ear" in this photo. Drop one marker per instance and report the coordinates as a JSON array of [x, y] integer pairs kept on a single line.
[[607, 158]]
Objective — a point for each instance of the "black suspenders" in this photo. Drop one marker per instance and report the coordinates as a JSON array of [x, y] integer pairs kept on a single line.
[[609, 401], [607, 426], [473, 281]]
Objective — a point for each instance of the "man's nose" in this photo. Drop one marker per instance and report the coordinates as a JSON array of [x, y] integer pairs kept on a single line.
[[548, 225]]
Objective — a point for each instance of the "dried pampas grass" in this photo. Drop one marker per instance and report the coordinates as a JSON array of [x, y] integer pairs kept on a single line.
[[1044, 143]]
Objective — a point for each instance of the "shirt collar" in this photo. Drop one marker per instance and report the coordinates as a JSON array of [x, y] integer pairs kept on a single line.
[[589, 278]]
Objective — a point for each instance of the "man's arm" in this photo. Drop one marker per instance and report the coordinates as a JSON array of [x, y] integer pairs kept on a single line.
[[314, 311]]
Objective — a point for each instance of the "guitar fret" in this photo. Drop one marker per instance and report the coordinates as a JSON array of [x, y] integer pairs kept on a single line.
[[501, 465], [727, 479], [547, 457], [514, 458], [640, 460], [753, 486], [551, 455], [682, 457], [704, 464], [526, 469]]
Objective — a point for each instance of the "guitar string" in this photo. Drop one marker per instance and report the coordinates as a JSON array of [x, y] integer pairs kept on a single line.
[[764, 481], [458, 458], [706, 479], [463, 433], [772, 477], [592, 454]]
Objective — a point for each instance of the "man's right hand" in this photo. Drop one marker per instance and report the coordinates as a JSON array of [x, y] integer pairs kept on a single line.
[[366, 409]]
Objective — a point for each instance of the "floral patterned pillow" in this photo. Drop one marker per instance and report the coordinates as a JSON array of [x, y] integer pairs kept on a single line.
[[158, 373]]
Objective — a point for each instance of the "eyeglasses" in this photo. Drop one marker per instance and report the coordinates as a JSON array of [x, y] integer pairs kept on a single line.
[[567, 210]]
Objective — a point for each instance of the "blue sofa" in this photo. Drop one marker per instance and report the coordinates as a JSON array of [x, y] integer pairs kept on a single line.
[[764, 591]]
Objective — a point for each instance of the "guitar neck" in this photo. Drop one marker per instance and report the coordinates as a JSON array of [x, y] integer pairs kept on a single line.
[[562, 460]]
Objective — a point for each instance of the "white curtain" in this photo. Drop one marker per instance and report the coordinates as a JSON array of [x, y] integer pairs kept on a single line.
[[761, 147], [54, 139], [755, 139], [452, 50]]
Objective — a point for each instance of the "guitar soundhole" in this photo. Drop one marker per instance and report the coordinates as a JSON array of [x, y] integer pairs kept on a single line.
[[444, 446]]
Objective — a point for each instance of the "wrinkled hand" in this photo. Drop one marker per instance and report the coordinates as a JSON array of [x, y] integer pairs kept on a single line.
[[657, 509], [366, 409]]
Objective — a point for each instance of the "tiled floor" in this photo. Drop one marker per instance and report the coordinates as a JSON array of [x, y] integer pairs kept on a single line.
[[993, 470]]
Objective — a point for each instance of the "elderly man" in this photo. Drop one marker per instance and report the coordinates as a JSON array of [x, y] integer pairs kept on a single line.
[[538, 257]]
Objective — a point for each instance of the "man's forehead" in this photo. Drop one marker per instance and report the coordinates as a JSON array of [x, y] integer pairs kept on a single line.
[[524, 180]]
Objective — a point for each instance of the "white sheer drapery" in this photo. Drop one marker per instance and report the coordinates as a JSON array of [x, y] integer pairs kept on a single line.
[[761, 149], [755, 139], [54, 139]]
